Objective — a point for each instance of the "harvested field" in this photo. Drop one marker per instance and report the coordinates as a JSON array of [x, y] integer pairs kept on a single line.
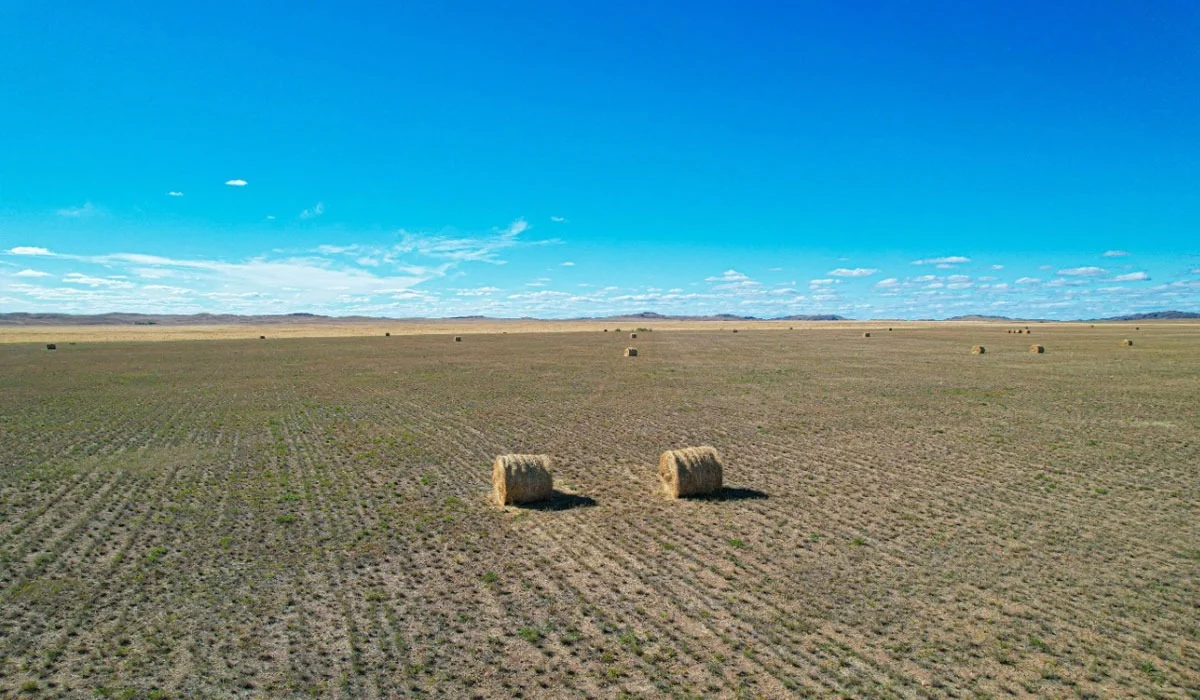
[[313, 516]]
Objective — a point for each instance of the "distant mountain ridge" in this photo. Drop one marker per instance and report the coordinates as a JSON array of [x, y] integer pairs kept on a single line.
[[207, 319]]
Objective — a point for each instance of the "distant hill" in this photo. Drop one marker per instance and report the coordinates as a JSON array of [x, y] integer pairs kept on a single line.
[[1154, 316]]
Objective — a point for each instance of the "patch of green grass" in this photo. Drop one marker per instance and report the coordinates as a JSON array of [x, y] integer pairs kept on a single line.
[[735, 543], [491, 577], [530, 634], [155, 554], [286, 519]]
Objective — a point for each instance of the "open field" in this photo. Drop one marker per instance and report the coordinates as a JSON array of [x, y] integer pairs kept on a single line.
[[310, 516], [336, 329]]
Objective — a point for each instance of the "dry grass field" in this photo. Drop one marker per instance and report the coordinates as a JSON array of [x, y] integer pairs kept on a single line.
[[309, 516]]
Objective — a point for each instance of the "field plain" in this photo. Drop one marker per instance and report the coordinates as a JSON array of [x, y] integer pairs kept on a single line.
[[309, 516]]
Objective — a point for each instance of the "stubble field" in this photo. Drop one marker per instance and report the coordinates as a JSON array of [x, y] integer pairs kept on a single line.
[[296, 517]]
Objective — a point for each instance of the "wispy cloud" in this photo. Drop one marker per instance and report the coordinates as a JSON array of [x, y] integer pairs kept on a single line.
[[1115, 253], [32, 273], [1089, 271], [948, 260], [855, 272], [1131, 277], [173, 193], [236, 183], [313, 213], [1028, 280], [568, 264], [28, 250], [558, 219], [888, 283], [88, 209]]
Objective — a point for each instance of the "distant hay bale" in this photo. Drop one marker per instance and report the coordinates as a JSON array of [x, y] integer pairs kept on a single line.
[[605, 330], [735, 330], [630, 352], [889, 330], [1137, 328], [51, 346], [387, 335], [1028, 332], [978, 350], [1020, 331], [458, 338], [866, 335], [1037, 349], [262, 337], [690, 471], [1127, 341], [632, 336], [521, 479]]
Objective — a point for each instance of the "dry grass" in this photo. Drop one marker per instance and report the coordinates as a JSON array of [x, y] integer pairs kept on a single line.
[[314, 517]]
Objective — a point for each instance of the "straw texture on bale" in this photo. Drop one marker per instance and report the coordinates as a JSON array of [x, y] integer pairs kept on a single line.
[[1127, 341], [51, 346], [690, 471], [521, 479], [978, 350], [630, 352], [1038, 349]]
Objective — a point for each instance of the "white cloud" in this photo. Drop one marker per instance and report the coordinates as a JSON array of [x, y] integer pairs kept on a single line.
[[32, 273], [463, 249], [568, 264], [28, 250], [856, 272], [997, 267], [1132, 277], [728, 276], [173, 193], [1088, 271], [1115, 253], [79, 278], [1029, 280], [313, 213], [78, 212], [888, 283], [270, 217], [558, 219], [236, 183], [948, 260]]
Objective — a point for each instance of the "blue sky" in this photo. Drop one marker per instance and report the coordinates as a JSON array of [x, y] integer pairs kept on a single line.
[[903, 160]]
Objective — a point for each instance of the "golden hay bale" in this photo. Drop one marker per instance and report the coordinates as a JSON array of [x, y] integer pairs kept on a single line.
[[51, 346], [630, 352], [1020, 331], [1037, 349], [633, 335], [735, 330], [387, 335], [1127, 341], [866, 335], [1137, 328], [978, 350], [458, 338], [521, 479], [262, 337], [690, 471]]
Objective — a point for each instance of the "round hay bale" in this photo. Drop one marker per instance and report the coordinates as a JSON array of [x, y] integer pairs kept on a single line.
[[1020, 331], [630, 352], [387, 335], [1037, 349], [978, 350], [605, 330], [51, 346], [262, 337], [458, 338], [866, 335], [735, 330], [521, 479], [1137, 328], [1028, 332], [1127, 342], [632, 336], [889, 330], [690, 471]]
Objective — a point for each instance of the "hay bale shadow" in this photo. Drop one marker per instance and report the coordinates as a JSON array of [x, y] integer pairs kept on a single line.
[[731, 493], [560, 501]]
